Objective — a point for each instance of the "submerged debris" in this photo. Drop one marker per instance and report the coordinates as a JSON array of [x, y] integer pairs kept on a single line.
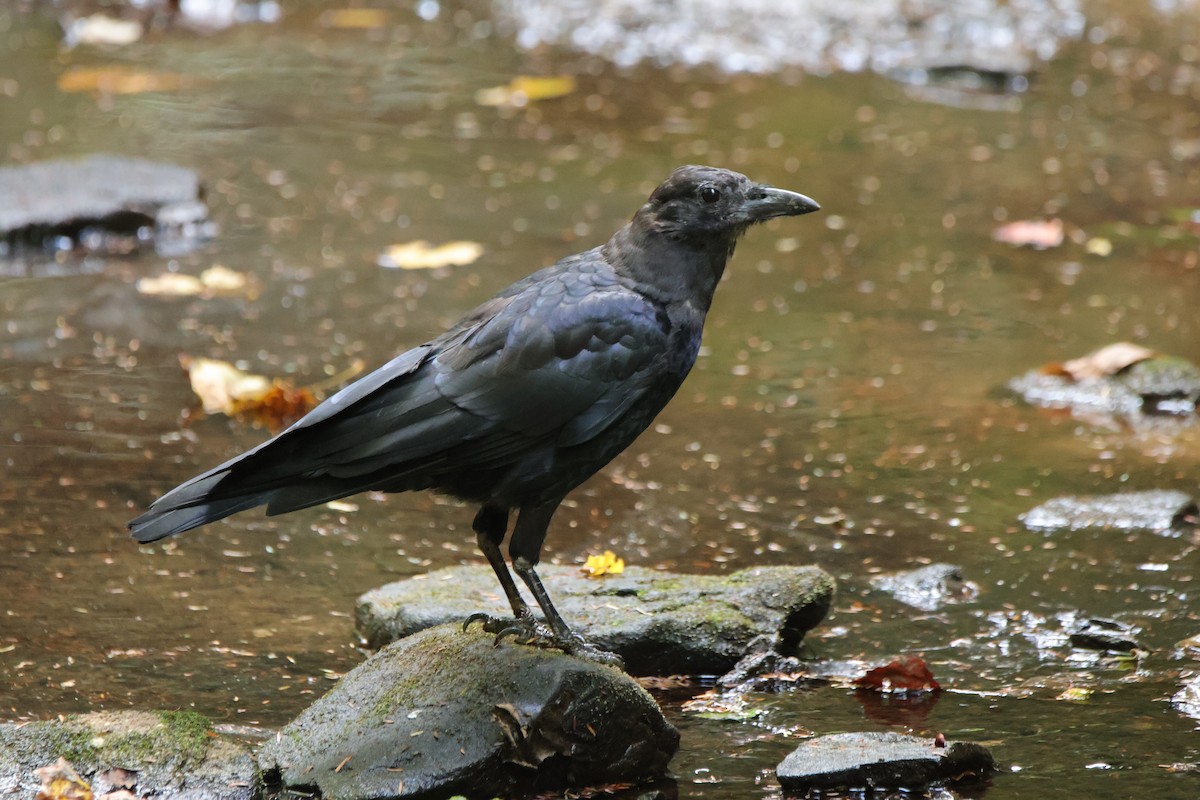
[[928, 588]]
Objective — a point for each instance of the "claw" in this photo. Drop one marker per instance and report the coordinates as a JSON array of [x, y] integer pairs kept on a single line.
[[511, 630], [478, 616]]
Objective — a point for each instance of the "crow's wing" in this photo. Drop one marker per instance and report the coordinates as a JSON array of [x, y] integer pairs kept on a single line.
[[552, 363]]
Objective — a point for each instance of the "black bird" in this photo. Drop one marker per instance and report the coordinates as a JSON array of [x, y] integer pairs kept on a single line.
[[525, 398]]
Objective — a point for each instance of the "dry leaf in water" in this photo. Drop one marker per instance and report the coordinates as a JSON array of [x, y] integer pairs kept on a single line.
[[524, 89], [422, 255], [354, 18], [119, 80], [214, 281], [60, 781], [225, 389], [906, 674], [1038, 234], [1102, 363], [606, 564]]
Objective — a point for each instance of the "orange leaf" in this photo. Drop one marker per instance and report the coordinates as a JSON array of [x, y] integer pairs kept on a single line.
[[1107, 361], [524, 89], [60, 781]]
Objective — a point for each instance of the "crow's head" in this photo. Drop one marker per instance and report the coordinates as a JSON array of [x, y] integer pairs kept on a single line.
[[710, 203]]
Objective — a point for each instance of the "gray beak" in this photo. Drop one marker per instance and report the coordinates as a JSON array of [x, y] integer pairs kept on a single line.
[[767, 202]]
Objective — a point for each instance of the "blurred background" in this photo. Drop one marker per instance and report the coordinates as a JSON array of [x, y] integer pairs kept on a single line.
[[849, 407]]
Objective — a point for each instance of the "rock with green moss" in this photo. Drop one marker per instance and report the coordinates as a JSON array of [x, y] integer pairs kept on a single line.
[[173, 754], [660, 623], [445, 712]]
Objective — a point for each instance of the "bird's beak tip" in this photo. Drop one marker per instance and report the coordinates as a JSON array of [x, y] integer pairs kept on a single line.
[[781, 203]]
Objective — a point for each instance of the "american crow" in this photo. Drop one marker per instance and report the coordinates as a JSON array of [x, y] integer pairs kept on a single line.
[[525, 398]]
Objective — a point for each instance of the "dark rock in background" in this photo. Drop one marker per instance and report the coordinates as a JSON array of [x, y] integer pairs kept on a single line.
[[659, 623], [100, 204], [446, 711]]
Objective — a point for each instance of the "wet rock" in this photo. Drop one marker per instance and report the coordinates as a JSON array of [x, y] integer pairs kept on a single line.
[[987, 38], [165, 754], [659, 623], [1156, 510], [1187, 699], [1104, 635], [880, 760], [100, 204], [1156, 385], [448, 712], [928, 588]]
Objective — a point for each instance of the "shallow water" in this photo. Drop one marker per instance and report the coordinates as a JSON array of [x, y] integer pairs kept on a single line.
[[848, 409]]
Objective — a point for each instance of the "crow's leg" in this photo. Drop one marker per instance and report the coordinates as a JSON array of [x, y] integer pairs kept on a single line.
[[525, 547], [491, 523]]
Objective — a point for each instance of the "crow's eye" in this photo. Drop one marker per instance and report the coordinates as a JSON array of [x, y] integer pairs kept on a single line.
[[709, 194]]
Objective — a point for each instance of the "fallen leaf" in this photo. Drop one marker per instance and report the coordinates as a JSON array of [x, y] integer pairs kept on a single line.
[[524, 89], [422, 255], [225, 389], [1099, 246], [1038, 234], [1075, 694], [906, 674], [1102, 363], [214, 281], [119, 80], [354, 18], [605, 564], [60, 781]]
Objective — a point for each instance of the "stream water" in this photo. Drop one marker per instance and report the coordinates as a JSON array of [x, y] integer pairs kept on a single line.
[[848, 408]]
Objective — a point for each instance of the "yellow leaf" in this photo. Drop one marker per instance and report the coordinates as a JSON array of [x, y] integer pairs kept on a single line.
[[524, 89], [60, 781], [354, 18], [1099, 246], [422, 255], [119, 80], [606, 564], [1075, 693], [170, 284]]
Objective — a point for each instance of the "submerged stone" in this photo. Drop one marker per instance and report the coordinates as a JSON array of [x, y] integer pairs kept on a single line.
[[446, 712], [1156, 510], [928, 588], [151, 754], [880, 761], [660, 623], [1159, 385]]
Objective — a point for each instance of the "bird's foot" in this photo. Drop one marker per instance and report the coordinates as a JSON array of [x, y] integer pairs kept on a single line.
[[529, 631]]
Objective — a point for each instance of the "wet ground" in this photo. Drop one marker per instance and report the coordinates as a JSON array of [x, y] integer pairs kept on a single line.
[[848, 409]]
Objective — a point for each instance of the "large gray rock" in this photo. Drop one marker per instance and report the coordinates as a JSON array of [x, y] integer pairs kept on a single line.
[[173, 754], [1157, 510], [879, 760], [448, 712], [86, 201], [660, 623]]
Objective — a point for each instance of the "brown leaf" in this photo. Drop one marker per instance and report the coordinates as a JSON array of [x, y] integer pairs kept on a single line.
[[60, 781], [1039, 234], [422, 255], [1102, 363], [907, 673], [354, 18], [225, 389]]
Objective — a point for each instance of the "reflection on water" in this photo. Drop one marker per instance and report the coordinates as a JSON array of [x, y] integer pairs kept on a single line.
[[847, 410]]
